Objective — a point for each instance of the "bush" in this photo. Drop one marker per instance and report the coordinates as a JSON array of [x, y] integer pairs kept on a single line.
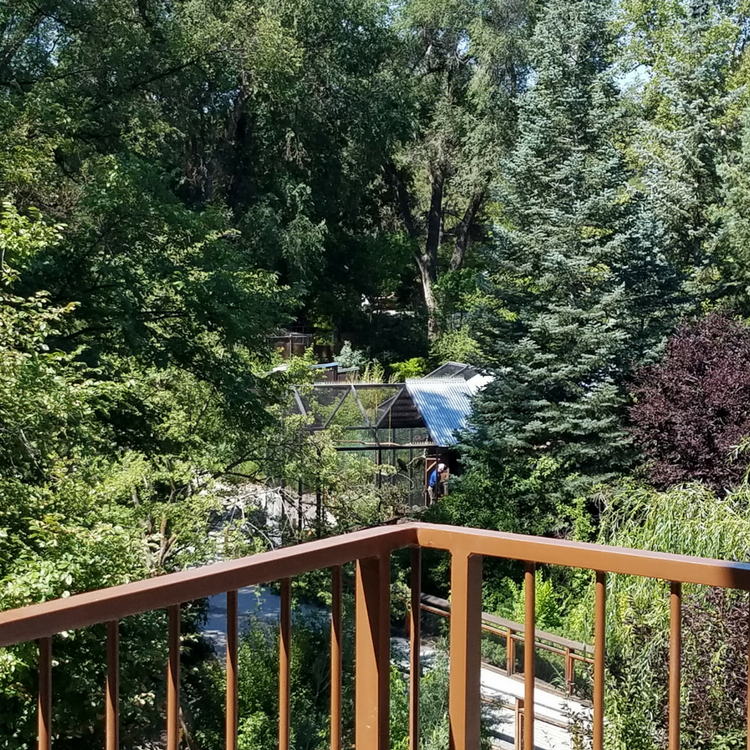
[[349, 357], [693, 409], [714, 667], [415, 367]]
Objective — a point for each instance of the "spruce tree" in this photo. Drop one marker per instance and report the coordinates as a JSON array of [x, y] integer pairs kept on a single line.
[[735, 235], [689, 104], [577, 292]]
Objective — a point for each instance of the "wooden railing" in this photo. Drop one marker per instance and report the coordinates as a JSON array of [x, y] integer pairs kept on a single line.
[[371, 550], [515, 632]]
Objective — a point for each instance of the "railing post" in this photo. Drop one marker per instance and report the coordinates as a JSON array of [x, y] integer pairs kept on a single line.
[[44, 705], [173, 680], [465, 651], [518, 734], [528, 655], [112, 706], [415, 645], [372, 660], [572, 674], [747, 697], [510, 652], [336, 664], [232, 646], [600, 618], [285, 653], [675, 648]]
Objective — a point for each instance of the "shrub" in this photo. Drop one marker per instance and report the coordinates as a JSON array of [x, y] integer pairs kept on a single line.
[[714, 667], [349, 357], [693, 409], [410, 368], [685, 520]]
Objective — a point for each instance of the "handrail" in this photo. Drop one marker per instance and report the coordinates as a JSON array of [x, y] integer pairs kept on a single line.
[[95, 607], [571, 651], [371, 549], [542, 550], [515, 627]]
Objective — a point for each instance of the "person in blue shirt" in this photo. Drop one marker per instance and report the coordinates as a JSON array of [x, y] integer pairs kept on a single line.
[[433, 482]]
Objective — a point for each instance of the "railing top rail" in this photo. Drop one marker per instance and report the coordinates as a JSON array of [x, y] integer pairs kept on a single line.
[[94, 607], [637, 562], [82, 610]]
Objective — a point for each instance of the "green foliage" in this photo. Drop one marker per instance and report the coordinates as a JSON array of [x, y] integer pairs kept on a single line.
[[349, 357], [542, 191], [433, 707], [84, 502], [546, 604], [687, 104], [576, 242], [733, 214], [415, 367], [310, 696], [258, 687], [686, 520], [456, 346]]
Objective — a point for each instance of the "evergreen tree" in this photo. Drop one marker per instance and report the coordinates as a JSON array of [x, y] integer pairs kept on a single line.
[[692, 54], [735, 235], [577, 290]]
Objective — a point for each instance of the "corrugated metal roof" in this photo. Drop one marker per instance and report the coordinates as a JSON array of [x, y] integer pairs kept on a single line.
[[445, 405]]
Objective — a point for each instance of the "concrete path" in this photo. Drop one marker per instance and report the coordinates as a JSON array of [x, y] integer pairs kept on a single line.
[[254, 603]]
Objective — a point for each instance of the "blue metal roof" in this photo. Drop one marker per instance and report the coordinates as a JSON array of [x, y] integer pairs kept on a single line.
[[445, 405]]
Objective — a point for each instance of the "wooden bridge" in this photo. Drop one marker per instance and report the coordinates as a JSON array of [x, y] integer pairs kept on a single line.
[[515, 632]]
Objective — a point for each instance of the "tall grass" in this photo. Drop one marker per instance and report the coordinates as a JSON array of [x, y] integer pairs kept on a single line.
[[689, 520]]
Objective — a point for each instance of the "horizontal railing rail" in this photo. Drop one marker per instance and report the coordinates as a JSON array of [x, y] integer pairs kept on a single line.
[[431, 603], [371, 550], [102, 605]]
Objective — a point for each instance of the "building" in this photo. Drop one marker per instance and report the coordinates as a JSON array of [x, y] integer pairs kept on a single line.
[[411, 425]]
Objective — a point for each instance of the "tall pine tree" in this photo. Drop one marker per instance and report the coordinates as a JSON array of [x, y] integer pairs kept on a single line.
[[577, 293], [695, 83]]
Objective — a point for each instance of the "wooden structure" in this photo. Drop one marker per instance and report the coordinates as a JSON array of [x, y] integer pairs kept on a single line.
[[292, 343], [515, 632]]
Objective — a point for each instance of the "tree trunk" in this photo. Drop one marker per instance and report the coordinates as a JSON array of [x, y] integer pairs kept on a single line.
[[463, 230], [433, 329], [427, 261]]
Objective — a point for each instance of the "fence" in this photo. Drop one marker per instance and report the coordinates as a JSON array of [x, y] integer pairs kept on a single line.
[[514, 633], [371, 550]]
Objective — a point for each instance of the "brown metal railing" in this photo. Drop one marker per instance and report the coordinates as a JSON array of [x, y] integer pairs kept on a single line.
[[371, 550]]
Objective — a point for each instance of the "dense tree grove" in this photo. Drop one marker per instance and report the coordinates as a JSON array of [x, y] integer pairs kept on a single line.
[[554, 191]]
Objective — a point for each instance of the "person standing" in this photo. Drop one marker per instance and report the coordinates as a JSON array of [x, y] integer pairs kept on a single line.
[[434, 482]]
